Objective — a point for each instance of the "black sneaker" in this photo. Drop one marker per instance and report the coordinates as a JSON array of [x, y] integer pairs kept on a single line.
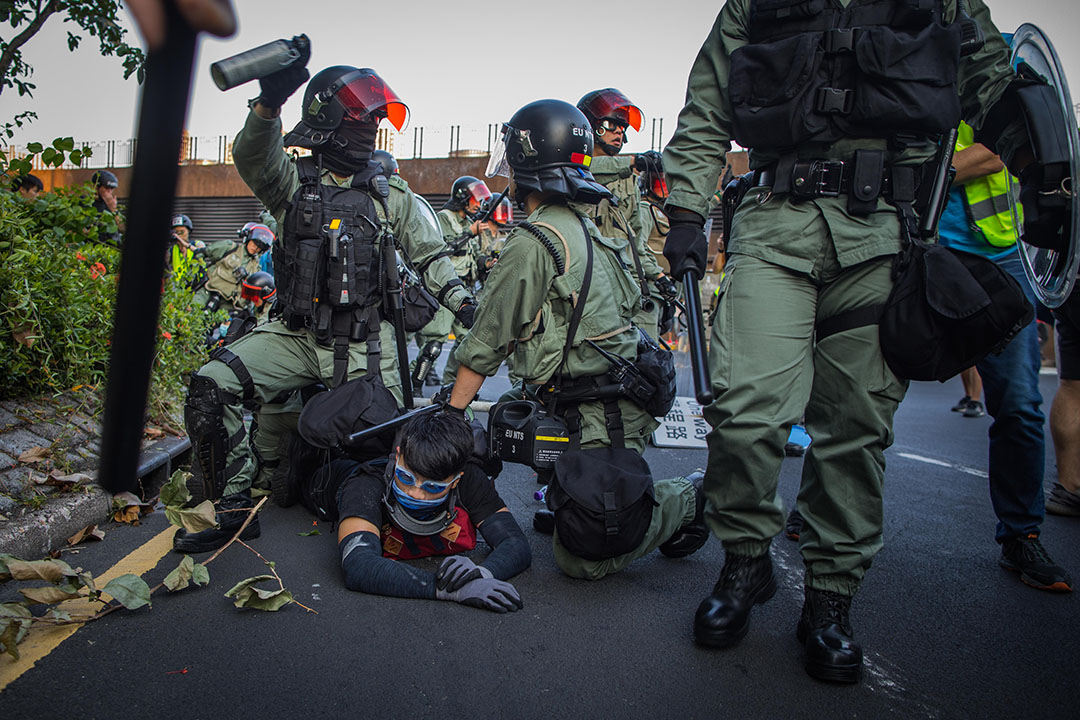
[[962, 405], [824, 629], [1027, 556], [974, 409], [1062, 502], [793, 526]]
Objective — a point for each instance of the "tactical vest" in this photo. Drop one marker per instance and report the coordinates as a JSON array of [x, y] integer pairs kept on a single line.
[[226, 274], [458, 538], [327, 266], [815, 71], [986, 200]]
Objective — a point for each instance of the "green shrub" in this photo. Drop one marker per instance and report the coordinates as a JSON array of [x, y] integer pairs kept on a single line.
[[57, 288]]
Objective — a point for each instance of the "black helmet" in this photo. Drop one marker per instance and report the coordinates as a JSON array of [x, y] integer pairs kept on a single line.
[[104, 178], [502, 214], [548, 144], [261, 235], [341, 92], [178, 220], [467, 188], [387, 161], [258, 286], [607, 109]]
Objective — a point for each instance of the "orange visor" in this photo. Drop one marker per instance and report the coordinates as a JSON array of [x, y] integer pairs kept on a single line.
[[364, 92]]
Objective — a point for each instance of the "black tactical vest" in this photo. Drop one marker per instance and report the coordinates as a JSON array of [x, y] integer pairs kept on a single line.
[[327, 265], [815, 71]]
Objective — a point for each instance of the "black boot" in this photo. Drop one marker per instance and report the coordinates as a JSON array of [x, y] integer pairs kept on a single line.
[[690, 538], [544, 522], [724, 617], [825, 631], [229, 518]]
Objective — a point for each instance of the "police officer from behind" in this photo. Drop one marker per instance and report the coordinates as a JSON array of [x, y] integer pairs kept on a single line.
[[461, 230], [525, 309], [333, 209], [610, 113], [837, 162]]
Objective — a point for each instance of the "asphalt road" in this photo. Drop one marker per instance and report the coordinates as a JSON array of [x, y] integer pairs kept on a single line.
[[947, 633]]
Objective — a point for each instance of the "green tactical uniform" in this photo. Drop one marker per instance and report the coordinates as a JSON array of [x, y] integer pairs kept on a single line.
[[454, 229], [792, 265], [228, 263], [281, 360], [616, 173], [524, 312], [654, 226]]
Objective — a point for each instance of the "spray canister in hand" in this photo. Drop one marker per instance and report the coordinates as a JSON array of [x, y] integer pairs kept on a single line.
[[258, 62]]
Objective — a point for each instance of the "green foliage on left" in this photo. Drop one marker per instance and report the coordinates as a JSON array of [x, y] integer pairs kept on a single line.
[[58, 277]]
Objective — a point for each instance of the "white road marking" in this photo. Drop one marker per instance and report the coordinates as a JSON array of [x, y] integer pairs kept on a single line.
[[941, 463]]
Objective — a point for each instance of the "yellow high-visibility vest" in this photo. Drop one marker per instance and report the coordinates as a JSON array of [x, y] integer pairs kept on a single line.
[[987, 200]]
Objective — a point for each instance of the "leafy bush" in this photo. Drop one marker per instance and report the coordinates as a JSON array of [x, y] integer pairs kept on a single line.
[[57, 288]]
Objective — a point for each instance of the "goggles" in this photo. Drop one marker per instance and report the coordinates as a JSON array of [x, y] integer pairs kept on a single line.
[[429, 486]]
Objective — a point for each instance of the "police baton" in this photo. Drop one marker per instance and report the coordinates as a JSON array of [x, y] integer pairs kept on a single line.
[[426, 406], [397, 315], [699, 360], [142, 263]]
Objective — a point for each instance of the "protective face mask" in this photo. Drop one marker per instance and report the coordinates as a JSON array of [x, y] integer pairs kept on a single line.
[[416, 505]]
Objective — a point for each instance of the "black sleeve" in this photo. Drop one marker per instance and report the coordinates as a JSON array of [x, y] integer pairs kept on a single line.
[[511, 553], [361, 494], [477, 494], [366, 570]]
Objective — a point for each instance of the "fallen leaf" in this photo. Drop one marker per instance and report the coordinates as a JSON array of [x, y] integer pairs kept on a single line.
[[90, 532], [24, 334], [47, 595], [246, 595], [309, 533], [129, 515], [127, 508], [175, 491], [64, 482], [196, 519], [152, 432], [53, 571], [129, 590], [180, 577], [34, 455]]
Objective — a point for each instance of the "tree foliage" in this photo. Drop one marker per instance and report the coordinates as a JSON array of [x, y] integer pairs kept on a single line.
[[97, 18]]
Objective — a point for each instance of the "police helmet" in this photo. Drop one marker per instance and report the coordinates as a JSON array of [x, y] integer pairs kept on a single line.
[[387, 162], [502, 214], [467, 188], [610, 104], [258, 285], [261, 235], [653, 184], [245, 231], [104, 178], [182, 220], [548, 144], [342, 92]]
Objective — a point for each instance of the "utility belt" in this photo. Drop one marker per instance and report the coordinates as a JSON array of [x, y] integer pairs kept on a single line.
[[337, 328]]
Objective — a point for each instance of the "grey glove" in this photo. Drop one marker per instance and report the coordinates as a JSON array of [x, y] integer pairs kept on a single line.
[[456, 571], [487, 594]]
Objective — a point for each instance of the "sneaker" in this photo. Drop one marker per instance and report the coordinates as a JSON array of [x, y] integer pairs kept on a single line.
[[974, 409], [1027, 556], [962, 405], [1062, 502], [793, 525]]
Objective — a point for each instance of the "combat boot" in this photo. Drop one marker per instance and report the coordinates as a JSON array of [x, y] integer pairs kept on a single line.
[[824, 629], [723, 618], [230, 517], [690, 538]]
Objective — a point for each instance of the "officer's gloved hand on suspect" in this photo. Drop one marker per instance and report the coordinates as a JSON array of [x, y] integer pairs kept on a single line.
[[666, 287], [650, 161], [1046, 210], [458, 570], [466, 314], [485, 593], [686, 248], [276, 88]]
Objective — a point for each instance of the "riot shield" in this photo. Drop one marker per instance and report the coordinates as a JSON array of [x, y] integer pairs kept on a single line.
[[1052, 272]]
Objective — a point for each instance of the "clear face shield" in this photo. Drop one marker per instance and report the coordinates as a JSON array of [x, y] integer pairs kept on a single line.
[[498, 165]]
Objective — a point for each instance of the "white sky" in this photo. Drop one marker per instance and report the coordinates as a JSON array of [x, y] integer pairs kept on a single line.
[[460, 63]]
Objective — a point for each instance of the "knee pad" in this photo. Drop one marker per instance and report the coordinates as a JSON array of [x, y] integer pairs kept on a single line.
[[204, 419]]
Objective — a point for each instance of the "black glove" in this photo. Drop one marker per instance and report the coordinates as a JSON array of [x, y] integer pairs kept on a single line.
[[456, 571], [650, 161], [275, 89], [1046, 210], [466, 314], [485, 593], [666, 287], [686, 247]]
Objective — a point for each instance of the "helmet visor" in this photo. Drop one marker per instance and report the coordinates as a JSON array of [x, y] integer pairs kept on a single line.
[[498, 165], [262, 236], [479, 192], [363, 92], [257, 292], [503, 214], [613, 104], [658, 187]]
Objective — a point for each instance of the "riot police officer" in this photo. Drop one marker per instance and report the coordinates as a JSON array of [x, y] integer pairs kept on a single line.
[[229, 263], [528, 306], [611, 114], [338, 220], [832, 103]]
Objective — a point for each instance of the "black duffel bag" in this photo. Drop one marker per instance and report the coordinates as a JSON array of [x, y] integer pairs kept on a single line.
[[602, 500], [947, 310]]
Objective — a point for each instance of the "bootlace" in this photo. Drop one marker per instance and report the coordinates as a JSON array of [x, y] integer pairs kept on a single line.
[[830, 608]]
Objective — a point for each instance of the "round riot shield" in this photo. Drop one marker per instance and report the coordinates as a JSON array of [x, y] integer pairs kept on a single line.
[[1052, 273]]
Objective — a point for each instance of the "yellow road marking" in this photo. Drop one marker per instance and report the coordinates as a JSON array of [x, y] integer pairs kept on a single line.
[[42, 639]]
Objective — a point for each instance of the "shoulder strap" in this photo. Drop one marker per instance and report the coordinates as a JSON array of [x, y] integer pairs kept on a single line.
[[575, 315]]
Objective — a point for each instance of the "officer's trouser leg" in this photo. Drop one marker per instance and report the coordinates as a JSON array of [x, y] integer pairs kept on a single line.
[[437, 329], [272, 422], [450, 373], [760, 359], [849, 416]]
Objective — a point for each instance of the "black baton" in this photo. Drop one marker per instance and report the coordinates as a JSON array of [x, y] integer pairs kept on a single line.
[[358, 437], [695, 326]]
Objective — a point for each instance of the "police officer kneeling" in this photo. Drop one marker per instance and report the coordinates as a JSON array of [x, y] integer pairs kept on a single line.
[[552, 263]]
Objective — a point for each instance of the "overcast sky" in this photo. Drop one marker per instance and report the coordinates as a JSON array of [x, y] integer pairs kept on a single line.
[[460, 63]]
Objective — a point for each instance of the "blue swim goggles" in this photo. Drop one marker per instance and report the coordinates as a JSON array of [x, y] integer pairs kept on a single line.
[[429, 486]]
